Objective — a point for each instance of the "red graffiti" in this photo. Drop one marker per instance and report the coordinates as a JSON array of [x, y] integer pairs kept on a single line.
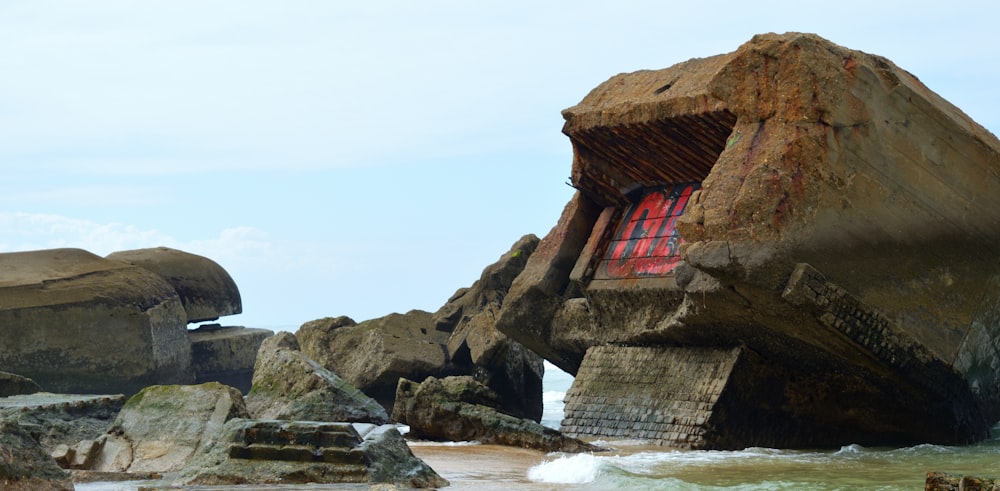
[[646, 242]]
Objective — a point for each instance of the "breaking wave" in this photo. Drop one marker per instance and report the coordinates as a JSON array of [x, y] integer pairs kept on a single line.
[[569, 469]]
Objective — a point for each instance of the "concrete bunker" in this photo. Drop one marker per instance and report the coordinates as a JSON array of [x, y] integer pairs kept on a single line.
[[78, 323], [796, 238]]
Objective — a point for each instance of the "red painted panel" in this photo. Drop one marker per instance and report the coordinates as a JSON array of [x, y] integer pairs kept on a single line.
[[646, 242]]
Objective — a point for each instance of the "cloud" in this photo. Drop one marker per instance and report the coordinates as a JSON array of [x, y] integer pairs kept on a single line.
[[242, 246], [32, 231]]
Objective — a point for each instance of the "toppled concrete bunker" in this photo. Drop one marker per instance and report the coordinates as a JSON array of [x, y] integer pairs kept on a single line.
[[78, 323], [790, 245]]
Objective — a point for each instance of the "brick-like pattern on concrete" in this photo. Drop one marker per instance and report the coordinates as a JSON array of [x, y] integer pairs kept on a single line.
[[839, 310], [664, 395], [295, 441]]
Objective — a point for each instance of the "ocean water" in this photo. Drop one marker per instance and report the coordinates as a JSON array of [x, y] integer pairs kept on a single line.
[[631, 465]]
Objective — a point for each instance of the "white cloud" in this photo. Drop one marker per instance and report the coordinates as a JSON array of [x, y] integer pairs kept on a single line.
[[31, 231], [247, 249]]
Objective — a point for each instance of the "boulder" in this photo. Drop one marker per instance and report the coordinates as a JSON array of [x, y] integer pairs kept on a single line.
[[462, 409], [12, 385], [503, 364], [289, 385], [24, 466], [537, 294], [162, 426], [299, 452], [205, 289], [225, 354], [806, 228], [458, 339], [62, 419], [63, 308], [376, 353]]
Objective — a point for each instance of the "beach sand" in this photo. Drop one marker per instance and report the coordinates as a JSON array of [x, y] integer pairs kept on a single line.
[[483, 467]]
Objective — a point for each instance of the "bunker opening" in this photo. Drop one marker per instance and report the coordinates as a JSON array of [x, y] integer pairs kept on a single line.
[[645, 174]]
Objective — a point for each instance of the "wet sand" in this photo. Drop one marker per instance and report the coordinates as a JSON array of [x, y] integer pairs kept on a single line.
[[483, 467]]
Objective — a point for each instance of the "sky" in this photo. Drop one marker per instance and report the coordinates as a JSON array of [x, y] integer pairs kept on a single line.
[[364, 158]]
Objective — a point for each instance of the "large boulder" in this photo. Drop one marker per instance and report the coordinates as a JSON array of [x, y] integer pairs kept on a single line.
[[376, 353], [24, 466], [64, 308], [205, 289], [162, 426], [458, 339], [503, 364], [225, 354], [807, 229], [462, 409], [299, 452], [289, 385]]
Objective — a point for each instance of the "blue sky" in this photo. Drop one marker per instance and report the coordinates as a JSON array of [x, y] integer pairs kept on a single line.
[[372, 157]]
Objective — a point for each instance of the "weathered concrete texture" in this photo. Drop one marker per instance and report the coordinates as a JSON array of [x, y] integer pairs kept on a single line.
[[225, 354], [205, 289], [64, 308], [723, 398], [663, 395], [299, 452], [847, 223], [459, 339], [462, 409], [162, 426], [13, 384], [62, 419], [24, 466], [289, 385], [537, 293]]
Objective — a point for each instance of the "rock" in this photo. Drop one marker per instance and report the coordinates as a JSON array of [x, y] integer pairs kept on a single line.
[[816, 208], [298, 452], [459, 339], [12, 385], [82, 456], [63, 308], [225, 354], [162, 426], [24, 465], [536, 294], [376, 353], [205, 289], [114, 456], [940, 481], [462, 409], [62, 419], [504, 365], [289, 385]]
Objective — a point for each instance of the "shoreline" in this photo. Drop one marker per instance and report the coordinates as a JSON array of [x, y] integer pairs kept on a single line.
[[483, 467]]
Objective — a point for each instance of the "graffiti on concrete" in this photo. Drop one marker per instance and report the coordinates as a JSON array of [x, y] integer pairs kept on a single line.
[[646, 242]]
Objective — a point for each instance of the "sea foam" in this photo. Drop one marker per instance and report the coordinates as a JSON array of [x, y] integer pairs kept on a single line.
[[570, 469]]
